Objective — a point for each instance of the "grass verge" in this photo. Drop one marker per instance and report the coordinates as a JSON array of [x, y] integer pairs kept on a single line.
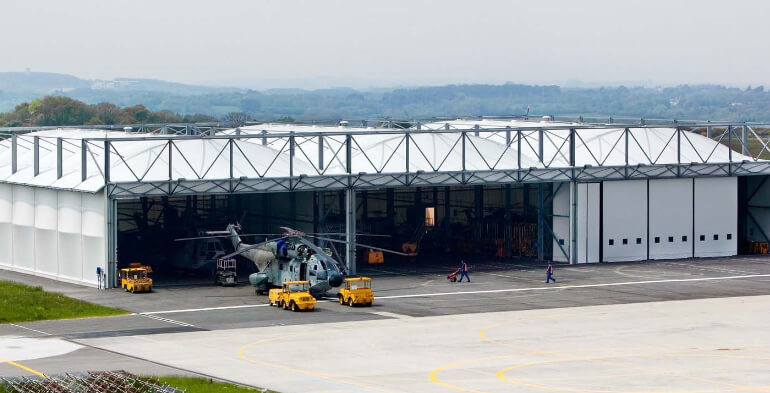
[[204, 385], [24, 303]]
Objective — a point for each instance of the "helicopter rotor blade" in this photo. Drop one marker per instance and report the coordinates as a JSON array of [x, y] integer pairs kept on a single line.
[[222, 236], [363, 245], [250, 247], [343, 234]]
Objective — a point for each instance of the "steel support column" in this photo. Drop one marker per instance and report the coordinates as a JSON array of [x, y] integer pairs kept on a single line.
[[745, 140], [573, 217], [14, 153], [59, 157], [36, 155], [111, 213], [508, 227], [573, 213], [447, 212], [540, 222], [350, 230]]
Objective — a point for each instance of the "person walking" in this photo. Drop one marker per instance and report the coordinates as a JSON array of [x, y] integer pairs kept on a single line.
[[549, 273], [464, 271]]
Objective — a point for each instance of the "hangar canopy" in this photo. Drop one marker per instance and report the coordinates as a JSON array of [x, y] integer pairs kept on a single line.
[[284, 157]]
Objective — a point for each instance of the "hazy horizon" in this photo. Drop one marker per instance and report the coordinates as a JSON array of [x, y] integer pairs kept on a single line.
[[332, 43]]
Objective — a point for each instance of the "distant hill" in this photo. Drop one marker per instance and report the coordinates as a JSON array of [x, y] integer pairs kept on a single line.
[[39, 82], [705, 102]]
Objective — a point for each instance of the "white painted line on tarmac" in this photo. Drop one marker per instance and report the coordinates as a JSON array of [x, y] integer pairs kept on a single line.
[[391, 315], [30, 329], [168, 320], [571, 286], [202, 309]]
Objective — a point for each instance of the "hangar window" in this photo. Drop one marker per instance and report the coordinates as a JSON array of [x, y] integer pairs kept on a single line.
[[702, 237], [625, 241], [684, 238], [657, 239], [729, 236], [716, 237], [638, 240], [430, 216], [612, 242], [670, 239]]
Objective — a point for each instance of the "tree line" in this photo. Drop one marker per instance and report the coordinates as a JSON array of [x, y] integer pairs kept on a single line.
[[65, 111]]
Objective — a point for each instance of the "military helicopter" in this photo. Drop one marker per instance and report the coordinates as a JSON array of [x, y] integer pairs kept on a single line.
[[289, 257]]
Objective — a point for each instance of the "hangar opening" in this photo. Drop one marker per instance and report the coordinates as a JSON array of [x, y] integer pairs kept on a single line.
[[436, 224]]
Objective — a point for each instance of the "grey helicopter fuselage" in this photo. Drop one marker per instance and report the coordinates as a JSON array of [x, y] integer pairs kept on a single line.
[[293, 259]]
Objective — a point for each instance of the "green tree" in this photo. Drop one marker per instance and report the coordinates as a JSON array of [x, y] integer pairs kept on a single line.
[[106, 113], [60, 111]]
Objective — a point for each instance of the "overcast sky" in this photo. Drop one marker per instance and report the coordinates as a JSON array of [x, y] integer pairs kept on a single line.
[[361, 43]]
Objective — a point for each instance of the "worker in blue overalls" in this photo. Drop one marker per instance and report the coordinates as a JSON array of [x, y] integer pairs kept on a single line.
[[549, 273], [464, 271]]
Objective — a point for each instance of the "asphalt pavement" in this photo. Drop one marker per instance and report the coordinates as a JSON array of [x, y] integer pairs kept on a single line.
[[402, 293]]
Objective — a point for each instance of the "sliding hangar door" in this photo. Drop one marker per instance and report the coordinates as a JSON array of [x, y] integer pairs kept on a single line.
[[634, 220]]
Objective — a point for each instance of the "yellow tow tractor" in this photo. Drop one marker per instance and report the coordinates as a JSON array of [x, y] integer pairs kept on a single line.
[[357, 290], [136, 278], [293, 295]]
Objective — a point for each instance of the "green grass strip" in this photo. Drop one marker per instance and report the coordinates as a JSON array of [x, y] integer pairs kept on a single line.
[[24, 303], [204, 385]]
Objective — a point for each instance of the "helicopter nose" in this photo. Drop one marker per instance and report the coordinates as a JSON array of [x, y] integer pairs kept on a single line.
[[335, 279]]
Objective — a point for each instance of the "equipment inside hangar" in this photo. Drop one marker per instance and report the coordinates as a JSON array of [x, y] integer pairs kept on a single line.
[[443, 222]]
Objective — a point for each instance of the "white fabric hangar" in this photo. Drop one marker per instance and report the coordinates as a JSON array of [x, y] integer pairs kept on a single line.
[[615, 192]]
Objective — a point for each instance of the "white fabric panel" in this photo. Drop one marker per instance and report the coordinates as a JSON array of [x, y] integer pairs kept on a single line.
[[46, 239], [55, 234], [93, 235], [588, 223], [6, 224], [23, 227], [671, 218], [716, 215], [625, 217], [70, 243], [561, 221], [759, 192]]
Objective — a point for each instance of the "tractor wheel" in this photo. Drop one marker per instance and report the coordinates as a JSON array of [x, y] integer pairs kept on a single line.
[[282, 305], [293, 306], [339, 297], [350, 302]]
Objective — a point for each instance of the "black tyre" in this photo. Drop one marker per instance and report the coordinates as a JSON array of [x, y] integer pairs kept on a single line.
[[293, 306], [350, 302], [341, 300]]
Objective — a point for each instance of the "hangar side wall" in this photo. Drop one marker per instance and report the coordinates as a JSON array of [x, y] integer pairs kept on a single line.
[[716, 216], [624, 205], [51, 233], [671, 220]]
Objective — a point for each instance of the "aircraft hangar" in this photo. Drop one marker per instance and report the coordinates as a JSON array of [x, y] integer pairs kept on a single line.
[[80, 198]]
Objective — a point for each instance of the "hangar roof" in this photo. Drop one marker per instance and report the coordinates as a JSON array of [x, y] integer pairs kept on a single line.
[[278, 151]]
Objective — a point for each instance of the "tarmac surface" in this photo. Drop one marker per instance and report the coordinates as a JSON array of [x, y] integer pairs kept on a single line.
[[201, 330]]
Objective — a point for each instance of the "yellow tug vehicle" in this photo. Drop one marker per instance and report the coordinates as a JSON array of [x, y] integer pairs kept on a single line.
[[136, 278], [293, 295], [356, 291]]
